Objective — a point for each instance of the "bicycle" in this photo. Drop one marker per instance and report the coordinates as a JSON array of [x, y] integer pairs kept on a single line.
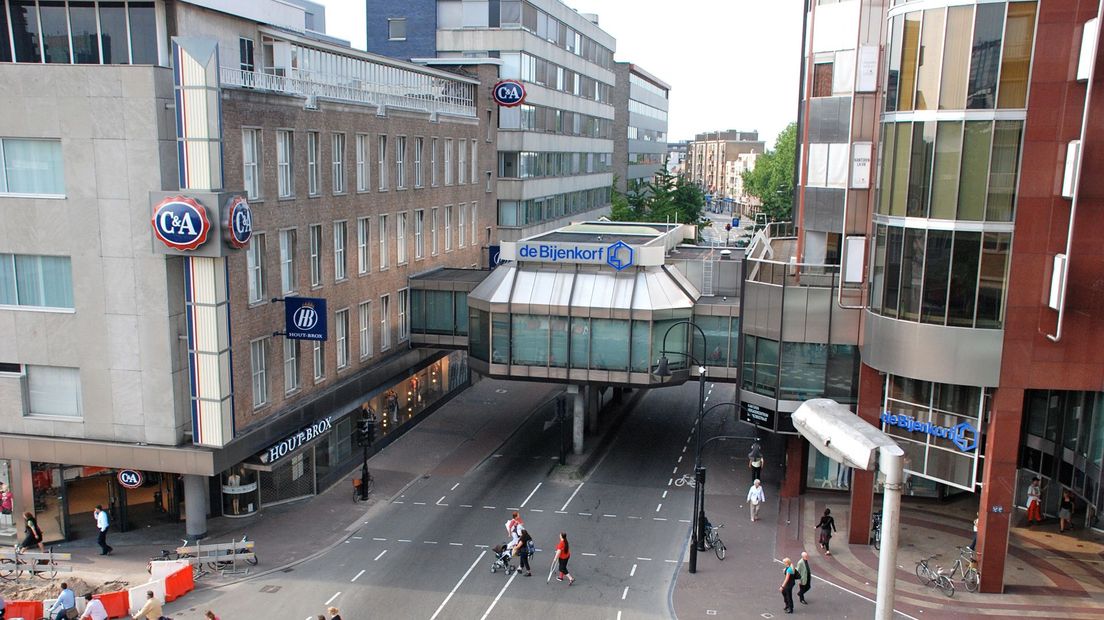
[[966, 566], [713, 540], [14, 567], [687, 480], [357, 494], [876, 538], [934, 577], [168, 554], [225, 563]]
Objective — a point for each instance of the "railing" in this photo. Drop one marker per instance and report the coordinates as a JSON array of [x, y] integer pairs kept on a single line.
[[442, 96]]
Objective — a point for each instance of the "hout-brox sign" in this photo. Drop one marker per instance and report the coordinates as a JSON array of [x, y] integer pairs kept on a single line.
[[296, 441]]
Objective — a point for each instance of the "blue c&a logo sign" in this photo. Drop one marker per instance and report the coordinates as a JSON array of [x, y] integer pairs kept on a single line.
[[181, 223], [239, 222], [619, 255], [963, 435]]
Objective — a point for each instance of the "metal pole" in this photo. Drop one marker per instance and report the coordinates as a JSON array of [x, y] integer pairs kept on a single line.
[[364, 474], [891, 462], [561, 413], [700, 513]]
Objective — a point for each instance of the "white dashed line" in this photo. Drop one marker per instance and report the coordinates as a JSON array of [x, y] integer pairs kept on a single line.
[[465, 505], [405, 540], [644, 559], [671, 561], [490, 507], [560, 512], [429, 542], [632, 573], [659, 506], [357, 575], [684, 449], [419, 503], [674, 471], [618, 614], [664, 496], [358, 537], [377, 558], [572, 496], [636, 517], [590, 554], [680, 459], [398, 501], [684, 520], [331, 599], [480, 546], [625, 593], [531, 493], [610, 516], [456, 544], [498, 456], [380, 539], [658, 519], [454, 486], [536, 510], [585, 514]]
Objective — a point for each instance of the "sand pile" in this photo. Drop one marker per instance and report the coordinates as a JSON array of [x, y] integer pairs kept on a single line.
[[35, 589]]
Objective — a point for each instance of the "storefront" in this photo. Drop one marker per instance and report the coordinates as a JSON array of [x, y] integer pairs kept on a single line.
[[8, 513]]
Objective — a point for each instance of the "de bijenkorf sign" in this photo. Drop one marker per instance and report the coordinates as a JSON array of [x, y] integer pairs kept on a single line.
[[305, 318], [508, 93], [963, 435], [181, 223], [618, 255]]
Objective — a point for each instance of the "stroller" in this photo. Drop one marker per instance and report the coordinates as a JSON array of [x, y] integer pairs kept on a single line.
[[502, 560]]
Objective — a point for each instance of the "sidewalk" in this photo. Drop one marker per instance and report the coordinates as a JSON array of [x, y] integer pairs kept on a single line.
[[449, 442]]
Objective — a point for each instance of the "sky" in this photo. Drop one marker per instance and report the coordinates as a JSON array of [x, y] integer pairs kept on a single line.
[[731, 64]]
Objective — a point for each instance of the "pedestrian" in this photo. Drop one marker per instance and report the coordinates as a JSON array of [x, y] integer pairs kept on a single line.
[[93, 608], [1065, 511], [973, 541], [755, 461], [522, 550], [33, 534], [755, 497], [804, 577], [563, 554], [151, 610], [65, 606], [827, 525], [1034, 502], [102, 523], [210, 615], [789, 577], [334, 614], [513, 523], [6, 500]]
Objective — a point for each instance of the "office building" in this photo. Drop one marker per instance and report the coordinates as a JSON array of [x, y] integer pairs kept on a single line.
[[708, 155], [640, 125]]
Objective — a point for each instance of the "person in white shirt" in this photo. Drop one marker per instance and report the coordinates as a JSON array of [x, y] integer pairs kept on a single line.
[[755, 497], [102, 524], [93, 609]]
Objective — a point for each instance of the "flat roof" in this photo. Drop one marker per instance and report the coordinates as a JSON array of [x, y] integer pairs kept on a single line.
[[454, 274], [633, 233]]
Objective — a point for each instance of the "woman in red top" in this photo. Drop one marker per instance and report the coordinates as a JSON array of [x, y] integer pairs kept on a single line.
[[563, 552]]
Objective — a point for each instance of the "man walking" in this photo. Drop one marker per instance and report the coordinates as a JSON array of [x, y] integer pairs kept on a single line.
[[804, 577], [755, 497], [102, 524]]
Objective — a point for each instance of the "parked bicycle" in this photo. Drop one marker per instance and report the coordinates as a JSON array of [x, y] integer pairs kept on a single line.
[[934, 576], [14, 567], [168, 554], [240, 548], [876, 537], [713, 540], [966, 567], [358, 494]]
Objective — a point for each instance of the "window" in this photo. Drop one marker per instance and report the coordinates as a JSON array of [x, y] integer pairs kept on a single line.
[[981, 88], [31, 167], [419, 174], [396, 29], [956, 51], [382, 163], [400, 162], [404, 327], [462, 162], [433, 231], [385, 322], [448, 161], [341, 320], [461, 224], [419, 234], [400, 239], [433, 162], [285, 178], [255, 256], [474, 218], [339, 233], [291, 365], [36, 281], [319, 355], [474, 161], [822, 79], [53, 390], [363, 167], [448, 229], [251, 155], [245, 54], [931, 54], [316, 254], [365, 316], [339, 163], [383, 242], [1016, 61], [289, 275], [259, 364], [312, 163], [364, 253]]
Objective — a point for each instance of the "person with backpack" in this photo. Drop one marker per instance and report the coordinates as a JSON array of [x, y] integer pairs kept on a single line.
[[33, 534], [523, 549]]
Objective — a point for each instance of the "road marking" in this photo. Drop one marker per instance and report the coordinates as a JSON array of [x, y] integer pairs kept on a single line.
[[625, 593], [590, 554], [406, 540], [358, 537], [664, 496], [429, 542], [497, 456], [644, 559], [377, 558], [419, 503], [660, 505], [684, 449], [331, 599], [465, 505], [684, 520], [671, 561], [398, 501], [680, 459], [480, 546], [560, 512], [572, 496], [457, 586], [348, 542], [456, 544], [635, 517], [658, 519], [380, 539], [441, 500], [632, 573], [533, 492], [500, 593], [674, 471], [670, 481], [536, 510], [585, 514], [610, 516], [489, 507], [454, 486], [618, 614], [357, 575]]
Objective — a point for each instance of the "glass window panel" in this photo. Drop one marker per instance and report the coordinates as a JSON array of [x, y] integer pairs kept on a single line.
[[912, 273], [439, 313], [894, 244], [956, 54], [842, 381], [530, 340], [671, 336], [641, 343], [500, 338], [5, 41], [54, 390], [143, 33], [1002, 171], [991, 279], [889, 135], [580, 341], [477, 334], [960, 399], [964, 270], [766, 367], [609, 350], [24, 25], [1036, 412], [33, 167], [948, 159], [55, 31], [1016, 62], [901, 169], [558, 328], [893, 65], [910, 47], [715, 352], [975, 169], [877, 273], [804, 367], [460, 301], [747, 373], [911, 391], [931, 52], [8, 295], [1096, 437], [919, 184], [937, 272], [113, 33], [955, 467], [985, 56], [733, 342], [82, 23]]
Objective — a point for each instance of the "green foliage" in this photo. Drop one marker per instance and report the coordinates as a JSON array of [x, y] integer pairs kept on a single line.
[[665, 198], [772, 179]]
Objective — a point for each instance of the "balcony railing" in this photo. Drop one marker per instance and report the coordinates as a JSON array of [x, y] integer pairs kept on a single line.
[[440, 95]]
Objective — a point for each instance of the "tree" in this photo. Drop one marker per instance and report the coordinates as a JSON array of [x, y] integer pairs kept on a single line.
[[665, 198], [771, 181]]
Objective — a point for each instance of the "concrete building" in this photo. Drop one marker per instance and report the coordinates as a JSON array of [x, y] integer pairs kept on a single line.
[[676, 157], [276, 164], [744, 203], [708, 154], [640, 124], [555, 151]]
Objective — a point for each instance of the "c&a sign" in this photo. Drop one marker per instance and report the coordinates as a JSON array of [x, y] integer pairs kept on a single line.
[[181, 223]]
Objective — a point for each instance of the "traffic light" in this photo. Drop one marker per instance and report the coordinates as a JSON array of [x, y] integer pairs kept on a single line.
[[366, 432]]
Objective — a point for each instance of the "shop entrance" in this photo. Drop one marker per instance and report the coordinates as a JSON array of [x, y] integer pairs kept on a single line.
[[78, 490]]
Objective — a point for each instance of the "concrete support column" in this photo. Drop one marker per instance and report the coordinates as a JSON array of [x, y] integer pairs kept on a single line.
[[995, 511], [862, 482], [796, 457], [195, 506], [594, 406], [578, 417]]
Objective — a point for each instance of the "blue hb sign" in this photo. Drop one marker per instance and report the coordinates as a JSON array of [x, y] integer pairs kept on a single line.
[[963, 435], [305, 318]]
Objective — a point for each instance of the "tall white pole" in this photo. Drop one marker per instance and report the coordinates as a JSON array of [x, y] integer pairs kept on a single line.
[[891, 463]]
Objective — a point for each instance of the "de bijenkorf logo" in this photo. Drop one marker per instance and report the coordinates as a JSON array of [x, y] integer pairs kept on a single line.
[[963, 435], [619, 255], [181, 223]]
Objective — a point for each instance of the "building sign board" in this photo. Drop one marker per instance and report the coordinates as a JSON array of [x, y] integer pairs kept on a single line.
[[295, 441], [963, 435], [305, 318], [860, 165], [494, 256], [618, 255], [508, 93], [238, 224], [130, 478], [757, 415], [867, 79], [181, 223]]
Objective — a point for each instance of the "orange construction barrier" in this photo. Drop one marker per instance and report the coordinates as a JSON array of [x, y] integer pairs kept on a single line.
[[179, 583], [117, 604], [24, 609]]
